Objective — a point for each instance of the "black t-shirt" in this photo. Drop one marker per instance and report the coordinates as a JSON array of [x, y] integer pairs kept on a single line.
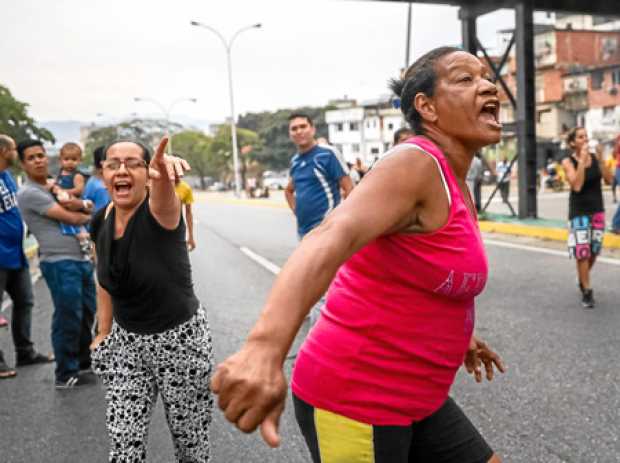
[[146, 271], [589, 200]]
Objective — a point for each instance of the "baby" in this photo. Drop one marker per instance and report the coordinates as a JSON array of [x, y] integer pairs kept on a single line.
[[69, 184]]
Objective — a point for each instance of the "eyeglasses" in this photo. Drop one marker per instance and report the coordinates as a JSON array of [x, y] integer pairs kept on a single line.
[[129, 163]]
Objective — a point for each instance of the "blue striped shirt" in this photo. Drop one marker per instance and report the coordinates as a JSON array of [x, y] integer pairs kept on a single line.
[[316, 177]]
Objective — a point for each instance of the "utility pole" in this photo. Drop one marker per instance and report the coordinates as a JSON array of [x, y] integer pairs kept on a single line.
[[233, 116], [408, 45]]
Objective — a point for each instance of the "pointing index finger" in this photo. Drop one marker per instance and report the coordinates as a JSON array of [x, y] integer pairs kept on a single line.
[[161, 148]]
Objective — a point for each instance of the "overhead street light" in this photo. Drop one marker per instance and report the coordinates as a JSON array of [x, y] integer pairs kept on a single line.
[[167, 111], [233, 126]]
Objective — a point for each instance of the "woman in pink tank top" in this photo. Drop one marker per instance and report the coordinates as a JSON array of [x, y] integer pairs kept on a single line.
[[405, 260]]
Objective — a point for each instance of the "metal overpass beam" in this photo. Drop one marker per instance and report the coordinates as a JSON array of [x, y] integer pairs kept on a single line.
[[526, 109], [468, 30]]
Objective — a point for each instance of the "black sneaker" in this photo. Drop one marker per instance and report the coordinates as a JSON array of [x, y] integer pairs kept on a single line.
[[33, 358], [67, 384], [74, 381], [86, 369], [587, 300]]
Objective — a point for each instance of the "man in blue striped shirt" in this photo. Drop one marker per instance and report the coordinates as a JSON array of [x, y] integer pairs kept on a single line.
[[317, 174]]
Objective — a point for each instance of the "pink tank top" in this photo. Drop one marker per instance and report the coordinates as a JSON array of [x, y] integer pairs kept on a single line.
[[398, 319]]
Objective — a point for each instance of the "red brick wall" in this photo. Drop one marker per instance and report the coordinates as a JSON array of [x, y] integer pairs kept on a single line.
[[554, 87], [602, 97], [586, 48]]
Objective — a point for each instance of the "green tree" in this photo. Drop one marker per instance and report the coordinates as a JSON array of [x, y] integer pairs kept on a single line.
[[196, 148], [249, 144], [272, 127], [15, 121]]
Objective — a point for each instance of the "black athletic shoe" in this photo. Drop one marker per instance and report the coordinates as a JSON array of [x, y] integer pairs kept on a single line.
[[74, 381], [33, 358], [587, 300]]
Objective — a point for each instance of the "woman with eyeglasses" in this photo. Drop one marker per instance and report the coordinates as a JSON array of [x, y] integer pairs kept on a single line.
[[153, 334]]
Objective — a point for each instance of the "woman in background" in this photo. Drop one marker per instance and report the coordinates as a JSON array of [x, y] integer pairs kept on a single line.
[[586, 212]]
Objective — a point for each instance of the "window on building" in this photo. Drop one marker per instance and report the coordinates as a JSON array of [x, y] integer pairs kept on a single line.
[[355, 147], [598, 20], [597, 80], [367, 124], [338, 146], [386, 146], [581, 120], [608, 112], [338, 127], [615, 77], [540, 115], [390, 126], [354, 126], [374, 150]]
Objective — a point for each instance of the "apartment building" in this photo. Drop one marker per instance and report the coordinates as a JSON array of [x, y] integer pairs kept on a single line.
[[577, 78], [363, 130]]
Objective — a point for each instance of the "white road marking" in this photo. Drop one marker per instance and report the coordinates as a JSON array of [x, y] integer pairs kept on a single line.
[[267, 264], [273, 268], [553, 252]]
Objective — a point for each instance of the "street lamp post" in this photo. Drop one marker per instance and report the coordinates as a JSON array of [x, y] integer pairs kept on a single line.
[[167, 112], [233, 126]]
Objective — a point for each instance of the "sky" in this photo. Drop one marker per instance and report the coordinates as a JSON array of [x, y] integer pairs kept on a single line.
[[73, 60]]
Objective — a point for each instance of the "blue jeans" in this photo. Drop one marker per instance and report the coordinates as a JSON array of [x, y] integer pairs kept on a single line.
[[72, 286], [615, 222], [18, 285]]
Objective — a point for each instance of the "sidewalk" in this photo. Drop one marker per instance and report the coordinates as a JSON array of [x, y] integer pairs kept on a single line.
[[549, 229], [552, 208]]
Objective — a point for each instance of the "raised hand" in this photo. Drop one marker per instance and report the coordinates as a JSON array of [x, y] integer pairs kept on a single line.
[[164, 172], [479, 353], [164, 166], [584, 155], [598, 152]]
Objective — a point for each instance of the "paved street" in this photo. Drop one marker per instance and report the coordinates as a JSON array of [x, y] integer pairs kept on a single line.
[[558, 402]]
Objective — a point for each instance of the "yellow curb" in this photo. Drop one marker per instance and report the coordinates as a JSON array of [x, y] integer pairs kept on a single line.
[[556, 234]]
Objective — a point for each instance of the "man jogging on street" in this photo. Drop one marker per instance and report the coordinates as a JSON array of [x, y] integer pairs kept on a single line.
[[14, 271], [317, 174], [67, 272]]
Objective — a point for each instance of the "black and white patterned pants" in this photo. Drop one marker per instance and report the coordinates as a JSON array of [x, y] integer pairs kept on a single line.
[[175, 364]]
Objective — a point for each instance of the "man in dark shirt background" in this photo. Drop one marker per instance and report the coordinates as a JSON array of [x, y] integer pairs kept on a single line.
[[14, 271]]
